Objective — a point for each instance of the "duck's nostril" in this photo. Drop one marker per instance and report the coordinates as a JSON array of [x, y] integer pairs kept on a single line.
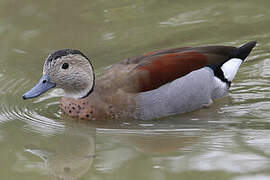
[[44, 81]]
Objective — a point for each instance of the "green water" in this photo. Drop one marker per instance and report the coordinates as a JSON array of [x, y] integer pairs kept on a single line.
[[228, 140]]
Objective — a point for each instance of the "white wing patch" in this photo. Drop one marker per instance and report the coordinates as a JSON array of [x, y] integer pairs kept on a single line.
[[230, 68]]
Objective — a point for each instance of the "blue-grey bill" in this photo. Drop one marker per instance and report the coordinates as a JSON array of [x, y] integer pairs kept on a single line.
[[43, 85]]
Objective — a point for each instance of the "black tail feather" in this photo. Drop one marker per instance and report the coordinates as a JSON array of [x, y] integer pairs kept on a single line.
[[243, 51]]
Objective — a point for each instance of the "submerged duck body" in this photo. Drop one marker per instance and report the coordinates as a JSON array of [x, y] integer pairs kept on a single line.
[[148, 86]]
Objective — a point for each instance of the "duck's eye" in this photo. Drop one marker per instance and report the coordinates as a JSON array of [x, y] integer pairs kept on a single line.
[[65, 66]]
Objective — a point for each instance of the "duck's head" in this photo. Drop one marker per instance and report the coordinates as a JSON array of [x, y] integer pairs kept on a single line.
[[69, 70]]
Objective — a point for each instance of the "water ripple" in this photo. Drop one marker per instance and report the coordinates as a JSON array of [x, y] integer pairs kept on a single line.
[[39, 118]]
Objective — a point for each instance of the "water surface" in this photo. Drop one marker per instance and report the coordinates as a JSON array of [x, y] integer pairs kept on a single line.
[[228, 140]]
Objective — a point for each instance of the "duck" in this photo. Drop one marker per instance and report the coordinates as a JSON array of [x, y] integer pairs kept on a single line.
[[152, 85]]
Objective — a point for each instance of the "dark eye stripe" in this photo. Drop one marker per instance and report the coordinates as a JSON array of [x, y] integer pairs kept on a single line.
[[65, 66]]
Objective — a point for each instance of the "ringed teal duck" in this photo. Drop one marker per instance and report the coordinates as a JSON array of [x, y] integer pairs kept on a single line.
[[152, 85]]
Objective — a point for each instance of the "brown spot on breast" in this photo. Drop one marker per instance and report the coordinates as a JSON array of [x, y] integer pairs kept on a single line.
[[84, 110], [98, 106]]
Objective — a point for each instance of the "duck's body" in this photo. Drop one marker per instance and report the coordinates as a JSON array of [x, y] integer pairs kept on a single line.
[[161, 83], [152, 85]]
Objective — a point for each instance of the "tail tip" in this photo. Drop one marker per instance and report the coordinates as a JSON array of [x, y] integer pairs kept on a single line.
[[243, 51]]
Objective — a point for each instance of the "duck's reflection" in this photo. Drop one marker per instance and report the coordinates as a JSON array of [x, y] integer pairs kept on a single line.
[[64, 156], [130, 146], [162, 143], [71, 153]]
